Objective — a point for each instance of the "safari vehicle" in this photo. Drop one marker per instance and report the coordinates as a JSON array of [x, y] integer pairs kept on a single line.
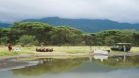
[[121, 47]]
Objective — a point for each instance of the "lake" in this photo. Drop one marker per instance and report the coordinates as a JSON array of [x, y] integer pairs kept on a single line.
[[85, 67]]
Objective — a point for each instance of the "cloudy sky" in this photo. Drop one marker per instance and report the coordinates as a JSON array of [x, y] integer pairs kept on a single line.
[[116, 10]]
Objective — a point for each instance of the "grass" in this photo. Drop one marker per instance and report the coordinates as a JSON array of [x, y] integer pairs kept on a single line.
[[76, 49], [61, 49], [24, 50], [8, 53], [135, 49]]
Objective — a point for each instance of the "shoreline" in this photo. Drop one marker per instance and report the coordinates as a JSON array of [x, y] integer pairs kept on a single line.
[[62, 55], [45, 55]]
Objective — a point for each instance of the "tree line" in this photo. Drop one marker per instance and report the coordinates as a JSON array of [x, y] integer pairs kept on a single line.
[[36, 33]]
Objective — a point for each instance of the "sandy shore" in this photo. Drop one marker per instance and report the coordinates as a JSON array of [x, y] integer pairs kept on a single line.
[[62, 55], [47, 55]]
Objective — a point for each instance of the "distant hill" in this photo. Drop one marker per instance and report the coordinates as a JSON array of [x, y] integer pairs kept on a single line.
[[4, 25], [87, 25]]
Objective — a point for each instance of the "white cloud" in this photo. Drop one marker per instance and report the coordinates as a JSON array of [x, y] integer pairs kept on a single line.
[[117, 10]]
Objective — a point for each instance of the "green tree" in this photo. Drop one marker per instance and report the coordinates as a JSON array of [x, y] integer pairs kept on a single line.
[[4, 35], [65, 35], [27, 40], [39, 30]]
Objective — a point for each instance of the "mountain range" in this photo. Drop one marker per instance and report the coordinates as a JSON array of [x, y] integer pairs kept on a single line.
[[4, 25], [86, 25]]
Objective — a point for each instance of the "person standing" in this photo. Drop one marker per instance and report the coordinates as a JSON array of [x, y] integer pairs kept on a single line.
[[10, 47]]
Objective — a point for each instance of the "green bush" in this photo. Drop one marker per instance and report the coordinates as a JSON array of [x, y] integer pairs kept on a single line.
[[27, 40]]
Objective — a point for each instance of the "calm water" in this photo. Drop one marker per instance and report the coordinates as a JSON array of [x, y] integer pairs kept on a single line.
[[96, 67]]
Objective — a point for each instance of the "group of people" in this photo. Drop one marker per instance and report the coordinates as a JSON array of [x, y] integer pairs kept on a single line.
[[10, 48], [44, 50]]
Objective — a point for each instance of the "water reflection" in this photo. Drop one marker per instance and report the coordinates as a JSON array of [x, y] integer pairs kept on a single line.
[[9, 64], [98, 57], [49, 65], [78, 68]]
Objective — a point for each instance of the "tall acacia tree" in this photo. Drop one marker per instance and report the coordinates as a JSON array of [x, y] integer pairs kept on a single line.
[[65, 35], [39, 30]]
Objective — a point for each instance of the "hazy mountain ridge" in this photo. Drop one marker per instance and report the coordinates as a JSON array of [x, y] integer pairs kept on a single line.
[[4, 25], [87, 25]]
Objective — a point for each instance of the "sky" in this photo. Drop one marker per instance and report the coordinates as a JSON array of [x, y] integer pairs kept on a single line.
[[116, 10]]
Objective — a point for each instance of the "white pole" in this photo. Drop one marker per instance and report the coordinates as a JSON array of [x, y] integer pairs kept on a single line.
[[124, 48]]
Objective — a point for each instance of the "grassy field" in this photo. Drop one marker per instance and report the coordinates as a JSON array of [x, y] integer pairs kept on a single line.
[[60, 49]]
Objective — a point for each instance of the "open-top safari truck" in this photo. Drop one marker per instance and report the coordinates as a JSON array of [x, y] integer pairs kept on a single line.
[[121, 47]]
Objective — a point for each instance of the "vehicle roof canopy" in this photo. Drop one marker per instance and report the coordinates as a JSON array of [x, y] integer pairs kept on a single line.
[[123, 43]]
